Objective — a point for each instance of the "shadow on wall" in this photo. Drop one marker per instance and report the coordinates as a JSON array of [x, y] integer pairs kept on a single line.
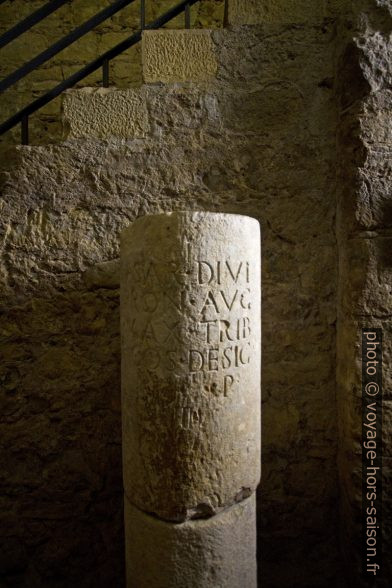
[[61, 467], [260, 140]]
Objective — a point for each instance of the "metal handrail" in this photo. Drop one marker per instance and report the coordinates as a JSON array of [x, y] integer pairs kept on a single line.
[[102, 61], [31, 20], [73, 36]]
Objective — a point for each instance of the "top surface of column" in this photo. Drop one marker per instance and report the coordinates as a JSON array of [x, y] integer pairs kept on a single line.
[[190, 324]]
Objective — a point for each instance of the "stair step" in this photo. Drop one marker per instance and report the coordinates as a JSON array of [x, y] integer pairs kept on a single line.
[[103, 113], [179, 55]]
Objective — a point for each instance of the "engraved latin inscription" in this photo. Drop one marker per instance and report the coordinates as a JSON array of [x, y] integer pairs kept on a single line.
[[226, 335], [220, 295], [190, 304]]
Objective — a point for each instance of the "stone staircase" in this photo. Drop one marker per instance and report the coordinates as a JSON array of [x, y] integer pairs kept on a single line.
[[169, 57], [104, 127], [123, 71], [125, 153]]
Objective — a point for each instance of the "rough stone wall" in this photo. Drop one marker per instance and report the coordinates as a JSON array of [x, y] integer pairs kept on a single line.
[[365, 258], [125, 70], [259, 140], [286, 11]]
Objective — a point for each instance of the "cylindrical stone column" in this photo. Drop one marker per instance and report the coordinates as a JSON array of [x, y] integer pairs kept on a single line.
[[190, 327]]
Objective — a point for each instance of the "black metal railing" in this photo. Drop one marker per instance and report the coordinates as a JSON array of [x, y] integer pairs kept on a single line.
[[22, 116], [63, 43], [31, 20]]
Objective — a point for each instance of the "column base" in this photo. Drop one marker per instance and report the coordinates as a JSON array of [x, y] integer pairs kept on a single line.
[[218, 552]]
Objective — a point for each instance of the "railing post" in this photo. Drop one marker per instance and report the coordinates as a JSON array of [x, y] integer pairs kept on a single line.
[[187, 16], [21, 116], [226, 14], [105, 73], [142, 14], [25, 130]]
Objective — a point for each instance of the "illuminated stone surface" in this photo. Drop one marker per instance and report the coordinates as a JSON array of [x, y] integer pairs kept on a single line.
[[282, 11], [104, 113], [190, 320], [178, 56], [219, 552]]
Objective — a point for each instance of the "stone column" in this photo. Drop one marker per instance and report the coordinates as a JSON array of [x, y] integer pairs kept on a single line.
[[190, 324]]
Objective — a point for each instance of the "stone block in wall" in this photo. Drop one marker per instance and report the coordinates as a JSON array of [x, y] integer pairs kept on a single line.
[[103, 113], [178, 56], [125, 73], [243, 12], [219, 551], [367, 266], [103, 275]]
